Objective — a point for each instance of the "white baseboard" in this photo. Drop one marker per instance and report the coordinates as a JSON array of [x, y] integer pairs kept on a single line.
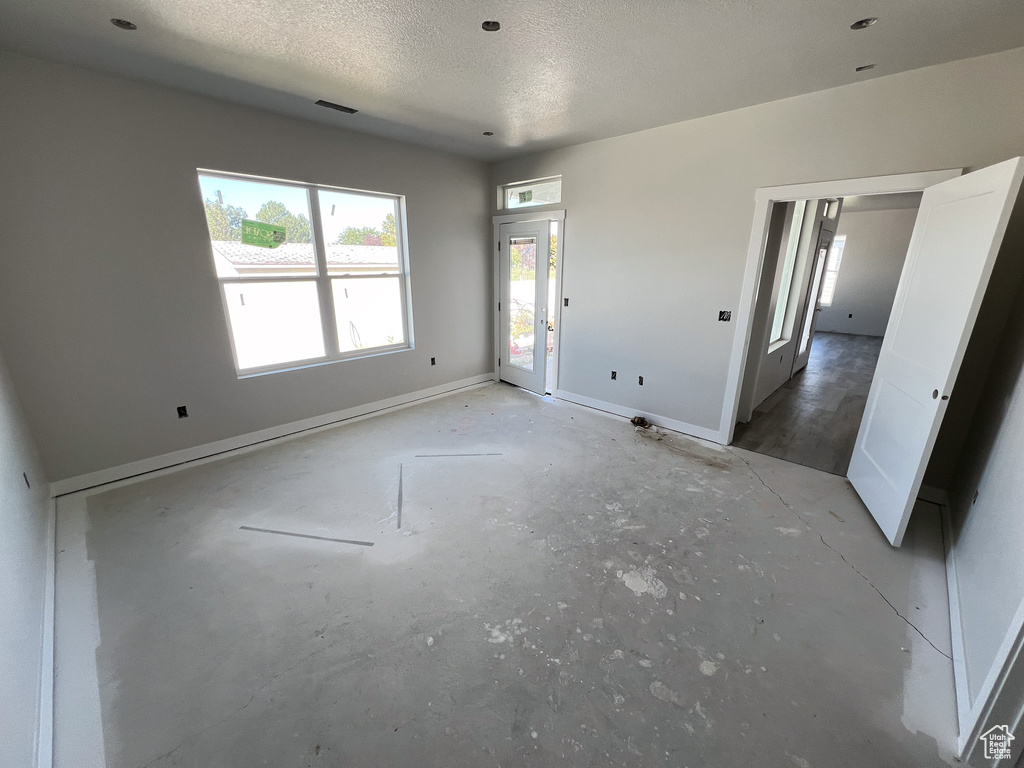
[[693, 430], [44, 733], [293, 429], [963, 706]]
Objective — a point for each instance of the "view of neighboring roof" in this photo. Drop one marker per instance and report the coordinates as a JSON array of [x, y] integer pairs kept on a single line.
[[302, 253]]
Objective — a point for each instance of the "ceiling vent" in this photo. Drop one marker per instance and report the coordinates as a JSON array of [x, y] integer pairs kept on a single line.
[[339, 107]]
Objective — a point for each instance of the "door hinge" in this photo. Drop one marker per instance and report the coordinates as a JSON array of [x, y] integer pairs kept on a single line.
[[499, 306], [499, 245], [499, 362]]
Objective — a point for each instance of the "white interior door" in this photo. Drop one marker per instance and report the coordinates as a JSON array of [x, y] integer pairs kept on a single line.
[[524, 253], [959, 229], [812, 301]]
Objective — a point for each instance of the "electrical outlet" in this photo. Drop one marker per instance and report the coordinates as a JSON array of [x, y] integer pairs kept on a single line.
[[614, 375], [641, 381], [725, 316], [851, 316], [182, 411], [433, 361], [565, 302]]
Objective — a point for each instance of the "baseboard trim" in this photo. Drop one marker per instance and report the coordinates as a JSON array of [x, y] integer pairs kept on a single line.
[[44, 733], [284, 431], [963, 706], [626, 412]]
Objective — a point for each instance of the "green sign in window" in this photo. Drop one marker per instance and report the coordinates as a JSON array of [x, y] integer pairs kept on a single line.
[[263, 235]]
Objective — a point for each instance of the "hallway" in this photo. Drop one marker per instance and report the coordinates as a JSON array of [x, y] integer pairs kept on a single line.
[[813, 418]]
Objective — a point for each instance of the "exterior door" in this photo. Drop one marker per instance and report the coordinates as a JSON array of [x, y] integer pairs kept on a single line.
[[523, 251], [812, 302], [959, 229]]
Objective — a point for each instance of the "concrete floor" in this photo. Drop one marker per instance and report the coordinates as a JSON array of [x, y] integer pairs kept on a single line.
[[813, 418], [573, 592]]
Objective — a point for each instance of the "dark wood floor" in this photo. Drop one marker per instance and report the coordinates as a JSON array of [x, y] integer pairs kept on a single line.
[[813, 418]]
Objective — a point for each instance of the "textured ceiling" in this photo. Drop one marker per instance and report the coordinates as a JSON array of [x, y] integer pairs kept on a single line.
[[559, 72]]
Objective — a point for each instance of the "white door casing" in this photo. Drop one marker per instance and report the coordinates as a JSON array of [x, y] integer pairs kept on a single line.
[[956, 239]]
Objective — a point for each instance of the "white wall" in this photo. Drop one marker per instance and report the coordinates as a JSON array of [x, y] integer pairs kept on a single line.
[[658, 222], [876, 247], [24, 516], [988, 530], [110, 314]]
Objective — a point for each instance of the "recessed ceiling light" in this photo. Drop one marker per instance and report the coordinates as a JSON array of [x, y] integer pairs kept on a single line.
[[491, 26], [864, 23], [488, 133], [123, 24], [865, 68]]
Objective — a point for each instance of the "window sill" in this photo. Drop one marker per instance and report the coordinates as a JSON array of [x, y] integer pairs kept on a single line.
[[775, 346], [251, 373]]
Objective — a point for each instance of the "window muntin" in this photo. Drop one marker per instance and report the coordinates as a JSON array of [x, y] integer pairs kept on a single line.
[[525, 194], [835, 259], [331, 286]]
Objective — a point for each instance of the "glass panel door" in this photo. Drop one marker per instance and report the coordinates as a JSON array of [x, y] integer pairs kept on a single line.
[[523, 310]]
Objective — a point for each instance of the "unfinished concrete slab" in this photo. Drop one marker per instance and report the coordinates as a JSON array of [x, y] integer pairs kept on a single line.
[[562, 589]]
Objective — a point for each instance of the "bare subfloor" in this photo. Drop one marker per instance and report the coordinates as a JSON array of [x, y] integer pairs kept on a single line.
[[562, 590]]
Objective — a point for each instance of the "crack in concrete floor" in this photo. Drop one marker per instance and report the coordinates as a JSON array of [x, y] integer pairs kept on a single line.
[[841, 555]]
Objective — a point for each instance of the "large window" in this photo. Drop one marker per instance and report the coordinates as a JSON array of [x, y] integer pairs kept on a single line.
[[835, 259], [307, 273]]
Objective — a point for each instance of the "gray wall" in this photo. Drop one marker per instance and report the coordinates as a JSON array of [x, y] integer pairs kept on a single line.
[[658, 222], [110, 313], [24, 515], [876, 247], [775, 367]]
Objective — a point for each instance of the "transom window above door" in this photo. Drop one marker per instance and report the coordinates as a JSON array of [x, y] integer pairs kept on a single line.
[[529, 193], [308, 274]]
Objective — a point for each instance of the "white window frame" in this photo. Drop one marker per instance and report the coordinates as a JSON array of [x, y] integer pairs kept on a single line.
[[503, 191], [328, 322], [839, 243]]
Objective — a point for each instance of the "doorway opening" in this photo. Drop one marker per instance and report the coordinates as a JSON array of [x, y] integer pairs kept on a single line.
[[829, 279], [528, 290]]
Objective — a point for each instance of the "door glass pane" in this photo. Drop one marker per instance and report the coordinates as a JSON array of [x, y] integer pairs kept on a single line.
[[235, 211], [368, 312], [522, 252], [274, 323]]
